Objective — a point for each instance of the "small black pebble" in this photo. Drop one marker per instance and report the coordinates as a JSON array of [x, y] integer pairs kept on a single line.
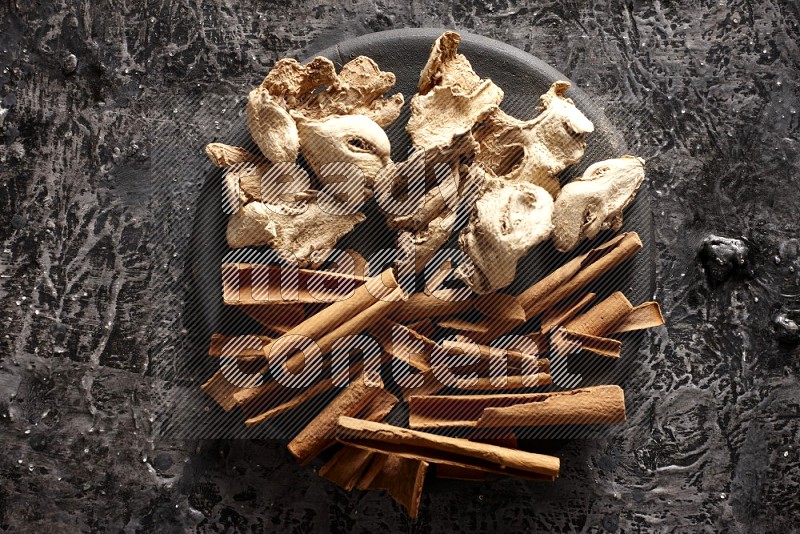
[[18, 221], [70, 64], [786, 329], [162, 462], [38, 442], [611, 523], [723, 256]]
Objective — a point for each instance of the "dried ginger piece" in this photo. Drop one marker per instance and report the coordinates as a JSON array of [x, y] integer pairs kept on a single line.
[[288, 115], [352, 147], [509, 218], [595, 201], [299, 229], [534, 151], [451, 97], [329, 119], [226, 156]]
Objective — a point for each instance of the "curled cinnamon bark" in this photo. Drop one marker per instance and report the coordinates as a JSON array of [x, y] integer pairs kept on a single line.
[[590, 405], [433, 448], [356, 398]]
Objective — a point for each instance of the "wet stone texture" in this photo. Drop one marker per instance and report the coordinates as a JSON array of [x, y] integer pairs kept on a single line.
[[708, 94]]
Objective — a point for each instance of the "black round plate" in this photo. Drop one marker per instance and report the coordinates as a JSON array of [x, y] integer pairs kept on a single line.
[[523, 79]]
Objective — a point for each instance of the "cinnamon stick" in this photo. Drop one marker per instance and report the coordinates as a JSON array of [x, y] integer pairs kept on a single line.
[[645, 315], [559, 316], [602, 318], [289, 404], [501, 307], [318, 435], [347, 466], [402, 478], [501, 383], [590, 405], [258, 284], [433, 448], [424, 306], [360, 321], [565, 342], [506, 439], [484, 329], [576, 274], [585, 406], [514, 358], [567, 280]]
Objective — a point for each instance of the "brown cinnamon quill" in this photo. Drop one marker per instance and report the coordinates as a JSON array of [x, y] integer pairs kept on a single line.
[[603, 317], [645, 315], [590, 405], [433, 448], [356, 398]]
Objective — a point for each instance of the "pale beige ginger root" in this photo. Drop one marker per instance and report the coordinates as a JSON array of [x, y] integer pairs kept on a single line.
[[595, 201], [242, 184], [449, 183], [289, 114], [349, 148], [335, 122], [423, 234], [450, 97], [508, 220], [298, 228], [534, 151], [225, 156]]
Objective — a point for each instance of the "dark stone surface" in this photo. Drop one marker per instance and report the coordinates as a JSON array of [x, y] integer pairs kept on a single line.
[[708, 92]]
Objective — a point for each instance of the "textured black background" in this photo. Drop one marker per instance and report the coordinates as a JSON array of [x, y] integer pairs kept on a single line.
[[708, 89]]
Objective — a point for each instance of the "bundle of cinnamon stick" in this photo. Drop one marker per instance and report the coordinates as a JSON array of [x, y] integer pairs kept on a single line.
[[325, 317]]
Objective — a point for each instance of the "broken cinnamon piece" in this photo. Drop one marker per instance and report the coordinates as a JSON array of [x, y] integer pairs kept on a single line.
[[559, 316], [425, 327], [347, 466], [501, 307], [603, 317], [597, 405], [402, 478], [255, 284], [485, 383], [432, 448], [356, 398], [645, 315], [590, 405], [239, 347], [404, 344], [422, 306], [566, 341]]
